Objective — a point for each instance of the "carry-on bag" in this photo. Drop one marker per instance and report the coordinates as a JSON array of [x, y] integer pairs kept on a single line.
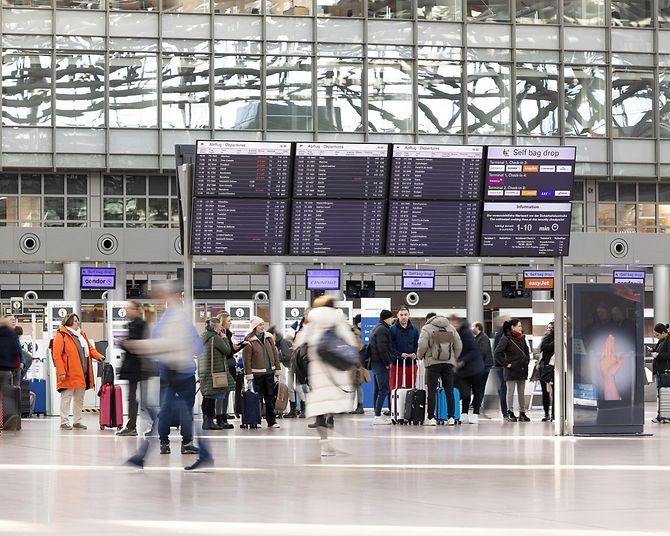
[[11, 408], [25, 400], [415, 403], [251, 409], [441, 408], [399, 399], [281, 397], [39, 387], [111, 407], [664, 404]]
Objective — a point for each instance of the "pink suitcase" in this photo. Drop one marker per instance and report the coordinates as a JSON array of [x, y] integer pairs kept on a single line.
[[111, 407]]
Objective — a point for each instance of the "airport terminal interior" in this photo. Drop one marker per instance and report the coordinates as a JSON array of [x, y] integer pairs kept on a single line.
[[326, 168]]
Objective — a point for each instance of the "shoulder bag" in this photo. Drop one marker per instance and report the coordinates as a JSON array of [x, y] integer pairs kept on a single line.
[[219, 379]]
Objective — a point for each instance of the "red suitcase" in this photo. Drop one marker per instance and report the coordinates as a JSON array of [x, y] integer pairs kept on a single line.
[[111, 407]]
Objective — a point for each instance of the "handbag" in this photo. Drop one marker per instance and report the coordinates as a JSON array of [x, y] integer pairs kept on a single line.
[[535, 375], [336, 352], [664, 379], [219, 379]]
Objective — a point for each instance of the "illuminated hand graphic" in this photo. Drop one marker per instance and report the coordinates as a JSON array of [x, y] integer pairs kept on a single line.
[[610, 364]]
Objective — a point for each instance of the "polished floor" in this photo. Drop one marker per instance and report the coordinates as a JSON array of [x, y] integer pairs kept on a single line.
[[494, 479]]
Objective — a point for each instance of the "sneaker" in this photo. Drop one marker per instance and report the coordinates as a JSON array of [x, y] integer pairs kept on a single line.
[[275, 425], [79, 426], [360, 410], [511, 417], [474, 419], [382, 421], [189, 448], [312, 425], [165, 447], [148, 434], [465, 418], [430, 422], [127, 433], [201, 465], [655, 420], [387, 413], [134, 462], [451, 421], [327, 448], [65, 427]]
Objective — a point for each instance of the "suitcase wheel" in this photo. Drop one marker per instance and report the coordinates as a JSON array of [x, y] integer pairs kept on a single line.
[[102, 427], [119, 427]]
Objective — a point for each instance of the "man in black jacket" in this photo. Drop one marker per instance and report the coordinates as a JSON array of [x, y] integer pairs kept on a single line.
[[381, 350], [135, 369], [469, 368]]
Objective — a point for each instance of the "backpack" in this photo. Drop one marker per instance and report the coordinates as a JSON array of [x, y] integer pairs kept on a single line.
[[299, 364], [365, 356], [440, 338]]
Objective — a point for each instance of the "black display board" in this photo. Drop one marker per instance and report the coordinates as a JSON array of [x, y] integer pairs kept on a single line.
[[337, 227], [436, 228], [523, 173], [437, 172], [340, 170], [525, 229], [242, 169], [239, 226]]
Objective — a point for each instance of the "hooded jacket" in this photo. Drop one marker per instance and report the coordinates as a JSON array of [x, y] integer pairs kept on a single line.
[[216, 349], [404, 341], [470, 362], [427, 349], [67, 360], [381, 345]]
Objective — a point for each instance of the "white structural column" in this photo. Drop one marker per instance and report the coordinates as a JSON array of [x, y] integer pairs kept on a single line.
[[474, 292], [662, 293], [277, 293], [119, 292], [72, 284]]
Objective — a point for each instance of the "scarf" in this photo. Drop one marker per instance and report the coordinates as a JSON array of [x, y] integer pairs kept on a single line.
[[517, 336], [82, 340]]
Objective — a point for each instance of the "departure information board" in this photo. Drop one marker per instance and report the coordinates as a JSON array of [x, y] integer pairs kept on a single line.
[[437, 172], [436, 228], [340, 170], [242, 169], [239, 226], [337, 227], [525, 173], [526, 229]]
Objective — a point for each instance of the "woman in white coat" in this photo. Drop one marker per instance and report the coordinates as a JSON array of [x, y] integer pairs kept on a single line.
[[330, 390]]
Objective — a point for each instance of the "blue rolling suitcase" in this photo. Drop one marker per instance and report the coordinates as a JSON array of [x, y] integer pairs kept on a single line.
[[251, 409], [441, 406], [39, 387]]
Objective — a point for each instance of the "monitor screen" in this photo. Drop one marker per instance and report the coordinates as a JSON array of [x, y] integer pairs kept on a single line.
[[629, 278], [323, 279], [418, 279], [340, 170], [337, 227], [97, 278], [239, 226], [435, 228], [202, 278], [437, 172], [538, 279], [526, 229], [242, 169], [529, 173]]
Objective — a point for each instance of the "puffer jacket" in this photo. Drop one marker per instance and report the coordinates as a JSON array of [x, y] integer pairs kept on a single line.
[[470, 362], [216, 347], [66, 358], [381, 346], [512, 351], [254, 357], [429, 351]]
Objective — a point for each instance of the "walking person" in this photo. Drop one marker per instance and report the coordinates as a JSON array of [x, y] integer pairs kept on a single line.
[[661, 363], [513, 355], [440, 347], [330, 390], [212, 361], [381, 352], [261, 366], [484, 345], [73, 356], [10, 362], [135, 369], [547, 372], [469, 369]]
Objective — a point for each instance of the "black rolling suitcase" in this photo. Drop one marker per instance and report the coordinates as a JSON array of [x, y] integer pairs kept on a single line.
[[415, 405], [26, 410], [11, 408]]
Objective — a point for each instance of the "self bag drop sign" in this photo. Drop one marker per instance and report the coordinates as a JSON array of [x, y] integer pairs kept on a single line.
[[98, 278]]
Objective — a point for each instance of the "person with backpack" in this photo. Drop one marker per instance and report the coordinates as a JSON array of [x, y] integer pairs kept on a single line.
[[439, 347], [381, 353], [73, 356], [405, 341], [469, 368], [513, 355]]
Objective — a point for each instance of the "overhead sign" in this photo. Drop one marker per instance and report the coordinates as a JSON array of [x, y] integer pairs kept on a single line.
[[293, 312], [418, 279], [17, 306], [98, 278], [57, 311], [240, 311], [629, 278], [538, 279], [345, 308], [323, 279]]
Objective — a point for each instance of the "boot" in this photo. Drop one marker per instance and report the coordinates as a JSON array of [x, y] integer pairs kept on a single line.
[[511, 417], [303, 411], [209, 424], [222, 422], [523, 417], [293, 413], [359, 410], [546, 418]]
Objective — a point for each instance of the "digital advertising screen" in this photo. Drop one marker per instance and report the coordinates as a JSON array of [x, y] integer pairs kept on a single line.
[[97, 278], [621, 277], [526, 229], [418, 279], [323, 279], [239, 226], [605, 329], [538, 280], [436, 228], [340, 170], [437, 172], [337, 227], [529, 173], [242, 169]]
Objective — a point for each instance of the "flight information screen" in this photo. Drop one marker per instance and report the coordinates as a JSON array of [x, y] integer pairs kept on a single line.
[[242, 169], [337, 227], [437, 172], [340, 170], [239, 226], [436, 228], [526, 229], [525, 173]]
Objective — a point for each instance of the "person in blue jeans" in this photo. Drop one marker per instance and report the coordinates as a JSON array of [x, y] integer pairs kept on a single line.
[[381, 351], [500, 372]]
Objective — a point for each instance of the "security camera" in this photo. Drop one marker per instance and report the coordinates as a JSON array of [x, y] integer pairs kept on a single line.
[[30, 295], [104, 295], [486, 298], [261, 296], [411, 298]]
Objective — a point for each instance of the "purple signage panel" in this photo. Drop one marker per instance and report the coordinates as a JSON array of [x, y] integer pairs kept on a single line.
[[97, 278], [526, 229], [629, 278], [323, 279], [418, 279]]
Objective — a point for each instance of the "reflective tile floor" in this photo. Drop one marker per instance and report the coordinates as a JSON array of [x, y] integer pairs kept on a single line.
[[496, 479]]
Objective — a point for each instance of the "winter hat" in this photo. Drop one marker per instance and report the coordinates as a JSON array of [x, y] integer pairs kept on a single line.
[[385, 314], [255, 322]]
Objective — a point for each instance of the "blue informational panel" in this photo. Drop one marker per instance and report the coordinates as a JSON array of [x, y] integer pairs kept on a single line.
[[606, 348], [370, 310]]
